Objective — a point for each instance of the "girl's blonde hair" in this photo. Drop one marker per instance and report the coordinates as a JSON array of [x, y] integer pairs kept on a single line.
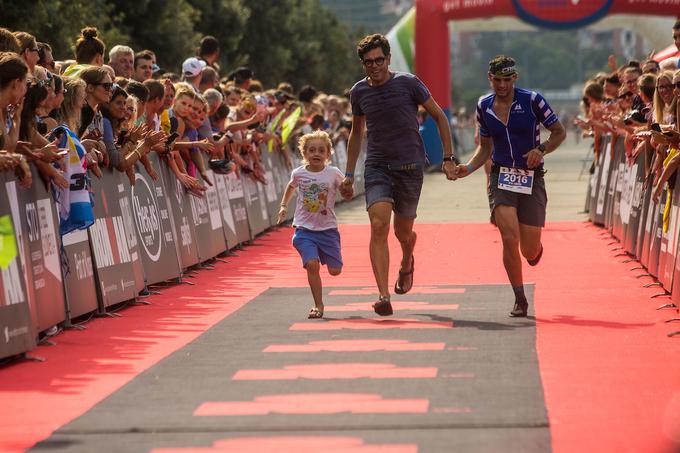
[[316, 135]]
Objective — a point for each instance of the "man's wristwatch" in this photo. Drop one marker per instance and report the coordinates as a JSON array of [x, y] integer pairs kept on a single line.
[[541, 148], [451, 158]]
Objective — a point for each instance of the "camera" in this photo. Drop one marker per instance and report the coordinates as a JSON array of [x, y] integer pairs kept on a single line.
[[634, 116]]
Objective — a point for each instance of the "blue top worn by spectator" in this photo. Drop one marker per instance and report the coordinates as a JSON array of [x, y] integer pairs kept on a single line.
[[522, 133], [391, 118]]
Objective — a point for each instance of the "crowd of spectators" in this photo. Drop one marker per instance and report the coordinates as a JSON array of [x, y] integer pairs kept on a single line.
[[638, 101], [120, 106]]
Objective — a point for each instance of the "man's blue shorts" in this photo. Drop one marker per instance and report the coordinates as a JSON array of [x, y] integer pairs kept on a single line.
[[318, 245], [400, 185]]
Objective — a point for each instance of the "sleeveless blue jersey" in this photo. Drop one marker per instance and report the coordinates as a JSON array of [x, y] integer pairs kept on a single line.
[[522, 133]]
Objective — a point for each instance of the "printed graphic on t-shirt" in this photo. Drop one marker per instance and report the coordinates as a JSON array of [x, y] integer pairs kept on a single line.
[[314, 197]]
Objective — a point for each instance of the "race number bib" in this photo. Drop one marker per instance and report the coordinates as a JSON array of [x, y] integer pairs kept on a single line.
[[516, 180]]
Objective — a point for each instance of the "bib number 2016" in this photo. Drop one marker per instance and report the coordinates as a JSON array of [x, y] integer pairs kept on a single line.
[[516, 180]]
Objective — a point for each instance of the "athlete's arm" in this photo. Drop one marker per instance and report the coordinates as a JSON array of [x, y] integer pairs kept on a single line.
[[481, 155], [442, 124], [557, 136]]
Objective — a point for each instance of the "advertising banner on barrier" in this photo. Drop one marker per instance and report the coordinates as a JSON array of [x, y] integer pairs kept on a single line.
[[114, 240], [595, 189], [669, 235], [655, 240], [228, 223], [37, 227], [237, 203], [340, 155], [603, 182], [272, 190], [154, 227], [613, 179], [79, 283], [631, 209], [182, 218], [619, 183], [205, 212], [16, 328], [258, 218], [643, 227]]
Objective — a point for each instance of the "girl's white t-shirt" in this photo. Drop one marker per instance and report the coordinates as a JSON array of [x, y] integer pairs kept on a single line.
[[316, 193]]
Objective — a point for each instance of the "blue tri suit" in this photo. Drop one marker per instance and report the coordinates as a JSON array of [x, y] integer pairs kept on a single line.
[[522, 133]]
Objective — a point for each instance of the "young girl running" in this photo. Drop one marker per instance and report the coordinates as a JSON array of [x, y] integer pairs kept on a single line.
[[316, 237]]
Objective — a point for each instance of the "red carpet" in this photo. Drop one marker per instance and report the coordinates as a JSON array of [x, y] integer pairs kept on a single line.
[[611, 376]]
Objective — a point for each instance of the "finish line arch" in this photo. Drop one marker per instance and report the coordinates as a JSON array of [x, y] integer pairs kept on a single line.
[[432, 33]]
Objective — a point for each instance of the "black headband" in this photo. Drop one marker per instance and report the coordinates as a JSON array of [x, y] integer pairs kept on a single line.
[[503, 68]]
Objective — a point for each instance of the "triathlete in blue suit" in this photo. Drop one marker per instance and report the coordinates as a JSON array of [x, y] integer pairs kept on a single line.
[[509, 125]]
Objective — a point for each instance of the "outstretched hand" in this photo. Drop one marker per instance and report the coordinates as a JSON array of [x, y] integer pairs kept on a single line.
[[462, 171]]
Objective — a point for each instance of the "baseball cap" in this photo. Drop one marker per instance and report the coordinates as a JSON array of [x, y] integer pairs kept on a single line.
[[192, 67]]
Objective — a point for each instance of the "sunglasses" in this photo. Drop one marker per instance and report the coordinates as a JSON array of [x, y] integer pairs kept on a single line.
[[38, 83], [626, 95], [665, 87], [368, 62], [106, 85], [631, 82]]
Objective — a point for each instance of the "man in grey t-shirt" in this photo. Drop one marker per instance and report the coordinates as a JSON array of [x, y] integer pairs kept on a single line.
[[385, 104]]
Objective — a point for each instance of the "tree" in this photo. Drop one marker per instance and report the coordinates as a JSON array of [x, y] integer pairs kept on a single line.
[[293, 40]]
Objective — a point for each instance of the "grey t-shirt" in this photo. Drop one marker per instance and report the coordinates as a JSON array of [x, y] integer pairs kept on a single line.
[[391, 118]]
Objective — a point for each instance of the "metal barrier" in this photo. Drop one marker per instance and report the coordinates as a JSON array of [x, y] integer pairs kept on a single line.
[[143, 234], [620, 196]]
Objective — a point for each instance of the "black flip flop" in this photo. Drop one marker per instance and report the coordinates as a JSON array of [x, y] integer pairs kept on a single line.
[[399, 285], [383, 307]]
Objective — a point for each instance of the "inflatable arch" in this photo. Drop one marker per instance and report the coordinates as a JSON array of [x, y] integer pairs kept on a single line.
[[432, 33]]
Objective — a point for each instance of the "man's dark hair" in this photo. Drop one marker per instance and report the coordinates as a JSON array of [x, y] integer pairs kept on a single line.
[[307, 93], [43, 47], [155, 88], [208, 46], [676, 25], [138, 90], [371, 42], [647, 84], [240, 75], [613, 79], [143, 55]]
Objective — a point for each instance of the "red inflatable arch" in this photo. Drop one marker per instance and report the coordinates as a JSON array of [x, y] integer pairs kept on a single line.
[[432, 33]]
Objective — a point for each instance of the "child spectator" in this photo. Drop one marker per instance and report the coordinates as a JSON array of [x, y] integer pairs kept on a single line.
[[316, 237]]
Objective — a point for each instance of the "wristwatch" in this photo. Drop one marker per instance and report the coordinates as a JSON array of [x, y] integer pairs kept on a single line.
[[451, 158], [541, 148]]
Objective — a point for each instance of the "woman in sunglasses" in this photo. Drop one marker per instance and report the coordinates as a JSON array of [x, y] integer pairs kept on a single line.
[[29, 49], [664, 102], [667, 136], [97, 91]]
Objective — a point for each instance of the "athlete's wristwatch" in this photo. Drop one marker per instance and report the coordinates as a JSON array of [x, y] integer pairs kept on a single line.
[[541, 148], [451, 158]]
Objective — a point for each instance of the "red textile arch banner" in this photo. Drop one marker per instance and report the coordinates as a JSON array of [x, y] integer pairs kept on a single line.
[[432, 16]]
